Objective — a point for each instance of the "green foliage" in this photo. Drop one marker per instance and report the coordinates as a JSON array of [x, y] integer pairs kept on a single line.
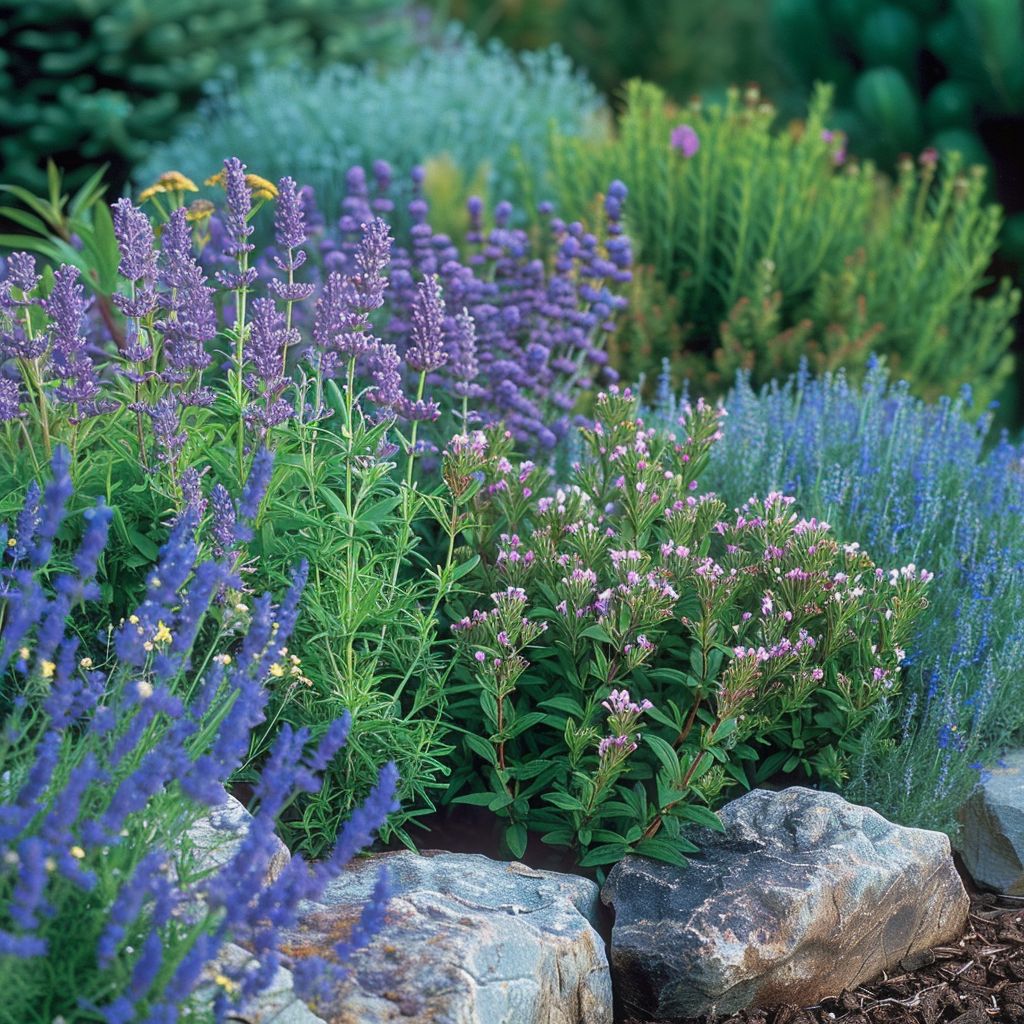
[[480, 112], [759, 645], [86, 81], [775, 247], [906, 71], [680, 46]]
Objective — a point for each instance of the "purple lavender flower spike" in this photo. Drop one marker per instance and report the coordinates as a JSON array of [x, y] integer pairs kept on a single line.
[[289, 219], [239, 206], [426, 337], [134, 235], [10, 400]]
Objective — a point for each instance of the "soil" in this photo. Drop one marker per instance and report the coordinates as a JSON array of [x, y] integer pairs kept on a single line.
[[976, 980]]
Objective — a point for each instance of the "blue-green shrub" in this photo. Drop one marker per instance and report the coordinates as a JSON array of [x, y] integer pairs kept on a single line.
[[483, 107]]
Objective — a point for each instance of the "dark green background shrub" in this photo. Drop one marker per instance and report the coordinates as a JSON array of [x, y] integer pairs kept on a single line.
[[686, 45], [86, 81], [916, 73]]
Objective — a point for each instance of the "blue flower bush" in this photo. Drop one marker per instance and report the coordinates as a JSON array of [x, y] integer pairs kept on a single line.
[[932, 484], [107, 759]]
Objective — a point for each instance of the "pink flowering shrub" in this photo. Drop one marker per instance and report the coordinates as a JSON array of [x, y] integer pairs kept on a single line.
[[638, 648]]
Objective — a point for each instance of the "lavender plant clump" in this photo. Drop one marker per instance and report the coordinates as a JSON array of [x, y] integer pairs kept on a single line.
[[109, 756]]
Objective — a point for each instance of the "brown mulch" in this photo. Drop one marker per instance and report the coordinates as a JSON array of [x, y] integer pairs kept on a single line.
[[976, 980]]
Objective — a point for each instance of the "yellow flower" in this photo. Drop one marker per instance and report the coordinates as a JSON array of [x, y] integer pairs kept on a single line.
[[261, 188], [144, 689], [225, 983], [86, 663], [48, 668], [23, 653], [224, 659], [162, 634], [133, 619], [276, 671], [11, 542], [199, 211], [148, 645], [77, 852], [169, 181]]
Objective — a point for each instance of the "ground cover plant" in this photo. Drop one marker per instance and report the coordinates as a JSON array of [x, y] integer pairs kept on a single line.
[[106, 760], [931, 484], [476, 116], [211, 352], [88, 83], [768, 244], [644, 650]]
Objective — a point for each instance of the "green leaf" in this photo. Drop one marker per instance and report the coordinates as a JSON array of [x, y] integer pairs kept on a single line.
[[700, 815], [662, 849], [564, 801], [499, 801], [515, 839], [664, 752], [476, 799], [606, 853], [481, 748], [464, 568], [596, 632], [563, 703]]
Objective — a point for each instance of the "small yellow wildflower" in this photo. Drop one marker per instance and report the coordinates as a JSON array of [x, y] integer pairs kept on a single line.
[[144, 689], [23, 653], [48, 668], [86, 663], [276, 671], [148, 645], [225, 983], [169, 181], [162, 634], [50, 864], [224, 659], [77, 852], [11, 542], [261, 188], [240, 607], [133, 619], [199, 210]]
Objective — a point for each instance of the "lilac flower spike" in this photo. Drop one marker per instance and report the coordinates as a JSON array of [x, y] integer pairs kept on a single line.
[[426, 348], [685, 140], [134, 235], [239, 205]]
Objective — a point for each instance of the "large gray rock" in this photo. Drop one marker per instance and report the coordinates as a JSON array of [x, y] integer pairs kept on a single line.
[[277, 1005], [214, 839], [804, 895], [467, 940], [992, 839]]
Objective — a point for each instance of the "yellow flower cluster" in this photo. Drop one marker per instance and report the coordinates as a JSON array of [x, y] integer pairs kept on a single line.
[[261, 188], [170, 182]]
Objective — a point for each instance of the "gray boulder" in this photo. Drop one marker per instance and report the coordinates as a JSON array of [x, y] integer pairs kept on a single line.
[[214, 839], [804, 895], [467, 940], [992, 839]]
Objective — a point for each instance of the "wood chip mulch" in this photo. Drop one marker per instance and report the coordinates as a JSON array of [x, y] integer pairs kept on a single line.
[[977, 980]]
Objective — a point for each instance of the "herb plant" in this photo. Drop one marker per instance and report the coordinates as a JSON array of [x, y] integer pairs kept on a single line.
[[112, 746], [643, 649], [933, 484], [771, 245]]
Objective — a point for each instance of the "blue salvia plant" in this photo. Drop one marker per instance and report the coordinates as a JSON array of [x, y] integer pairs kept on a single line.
[[112, 746], [352, 358], [931, 484]]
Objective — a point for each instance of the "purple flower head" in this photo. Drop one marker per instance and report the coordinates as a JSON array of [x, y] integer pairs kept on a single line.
[[463, 362], [372, 259], [426, 335], [10, 400], [239, 206], [289, 219], [684, 139], [134, 235], [21, 271], [385, 371]]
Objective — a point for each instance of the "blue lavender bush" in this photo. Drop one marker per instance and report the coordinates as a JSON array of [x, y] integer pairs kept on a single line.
[[485, 108], [916, 482], [112, 746]]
